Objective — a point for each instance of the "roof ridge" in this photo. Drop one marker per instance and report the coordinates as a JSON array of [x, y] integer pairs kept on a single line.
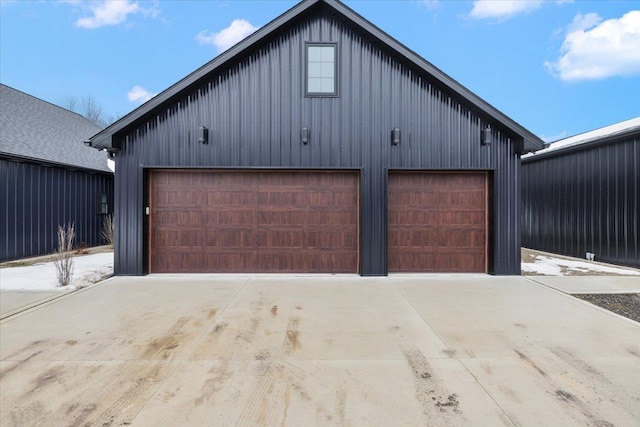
[[48, 102]]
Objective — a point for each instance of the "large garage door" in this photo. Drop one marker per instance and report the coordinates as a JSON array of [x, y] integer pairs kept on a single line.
[[437, 222], [267, 221]]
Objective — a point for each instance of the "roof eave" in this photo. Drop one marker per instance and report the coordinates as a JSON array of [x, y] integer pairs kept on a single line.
[[604, 140]]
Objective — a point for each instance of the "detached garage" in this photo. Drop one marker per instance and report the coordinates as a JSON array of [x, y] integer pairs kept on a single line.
[[319, 144]]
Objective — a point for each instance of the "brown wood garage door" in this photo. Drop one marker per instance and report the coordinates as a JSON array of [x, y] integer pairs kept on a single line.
[[241, 221], [437, 222]]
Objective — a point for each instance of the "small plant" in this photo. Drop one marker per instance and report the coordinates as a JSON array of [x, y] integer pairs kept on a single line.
[[106, 232], [63, 257]]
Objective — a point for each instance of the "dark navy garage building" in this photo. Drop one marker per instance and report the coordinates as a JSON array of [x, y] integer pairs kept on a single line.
[[317, 144], [582, 194]]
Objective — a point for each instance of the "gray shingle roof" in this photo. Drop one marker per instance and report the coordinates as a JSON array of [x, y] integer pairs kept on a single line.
[[35, 129]]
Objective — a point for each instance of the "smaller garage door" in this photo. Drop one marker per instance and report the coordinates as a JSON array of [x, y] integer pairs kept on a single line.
[[253, 221], [437, 222]]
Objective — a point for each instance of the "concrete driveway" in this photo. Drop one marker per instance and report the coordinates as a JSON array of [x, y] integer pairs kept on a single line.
[[303, 351]]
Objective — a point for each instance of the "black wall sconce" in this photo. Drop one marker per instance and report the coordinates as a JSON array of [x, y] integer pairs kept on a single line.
[[304, 135], [203, 135], [395, 136], [485, 136]]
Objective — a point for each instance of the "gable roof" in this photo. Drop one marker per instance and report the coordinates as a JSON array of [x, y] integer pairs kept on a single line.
[[105, 138], [603, 135], [33, 129]]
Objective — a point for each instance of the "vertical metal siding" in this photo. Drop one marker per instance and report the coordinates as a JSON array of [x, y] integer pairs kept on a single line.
[[36, 199], [255, 110], [585, 201]]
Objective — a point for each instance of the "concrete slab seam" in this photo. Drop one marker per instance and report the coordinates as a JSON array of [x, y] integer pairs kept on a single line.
[[581, 301], [36, 305]]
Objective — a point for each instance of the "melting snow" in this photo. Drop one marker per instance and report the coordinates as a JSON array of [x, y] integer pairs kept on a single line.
[[551, 266], [87, 269]]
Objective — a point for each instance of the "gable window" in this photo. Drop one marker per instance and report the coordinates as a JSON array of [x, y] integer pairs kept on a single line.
[[321, 69]]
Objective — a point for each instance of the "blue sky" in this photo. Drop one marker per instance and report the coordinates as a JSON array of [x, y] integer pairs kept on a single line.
[[559, 68]]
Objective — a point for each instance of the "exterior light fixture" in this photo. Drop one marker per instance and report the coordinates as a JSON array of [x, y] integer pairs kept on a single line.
[[485, 136], [395, 136], [203, 135], [304, 135]]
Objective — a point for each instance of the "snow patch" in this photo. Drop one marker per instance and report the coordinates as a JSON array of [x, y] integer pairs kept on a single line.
[[87, 270], [551, 266]]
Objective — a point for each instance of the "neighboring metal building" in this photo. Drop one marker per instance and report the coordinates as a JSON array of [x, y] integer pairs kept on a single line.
[[582, 195], [48, 177], [317, 144]]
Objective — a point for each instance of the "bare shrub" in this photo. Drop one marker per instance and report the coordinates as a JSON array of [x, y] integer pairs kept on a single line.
[[63, 257], [106, 231]]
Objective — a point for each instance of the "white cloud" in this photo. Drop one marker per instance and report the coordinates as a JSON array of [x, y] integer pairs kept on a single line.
[[431, 4], [227, 37], [111, 12], [492, 9], [596, 49], [139, 95], [502, 10]]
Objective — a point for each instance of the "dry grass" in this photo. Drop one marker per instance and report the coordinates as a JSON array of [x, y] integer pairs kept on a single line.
[[63, 257], [106, 231]]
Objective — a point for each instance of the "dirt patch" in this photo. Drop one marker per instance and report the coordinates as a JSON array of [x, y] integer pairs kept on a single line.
[[430, 392], [627, 305]]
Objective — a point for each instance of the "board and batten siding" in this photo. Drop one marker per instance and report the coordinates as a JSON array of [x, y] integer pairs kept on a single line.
[[36, 199], [255, 109], [585, 199]]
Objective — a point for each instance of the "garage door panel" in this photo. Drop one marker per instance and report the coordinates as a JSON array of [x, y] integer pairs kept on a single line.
[[409, 217], [339, 262], [437, 222], [272, 260], [268, 221], [474, 219], [227, 238], [182, 237], [229, 262], [334, 218], [176, 261], [332, 239], [415, 237], [231, 197], [294, 199], [280, 239], [228, 217], [280, 217]]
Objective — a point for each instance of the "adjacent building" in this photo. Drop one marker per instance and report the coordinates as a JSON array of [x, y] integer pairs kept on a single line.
[[48, 177], [582, 194]]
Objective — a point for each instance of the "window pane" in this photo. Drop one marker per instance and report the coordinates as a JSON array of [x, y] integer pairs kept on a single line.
[[314, 85], [315, 69], [328, 70], [328, 86], [315, 53], [328, 54]]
